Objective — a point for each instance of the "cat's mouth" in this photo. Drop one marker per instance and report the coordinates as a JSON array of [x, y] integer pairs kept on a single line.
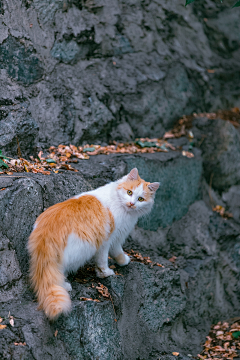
[[131, 205]]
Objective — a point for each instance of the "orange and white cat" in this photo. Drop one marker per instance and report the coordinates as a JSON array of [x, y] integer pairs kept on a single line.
[[91, 224]]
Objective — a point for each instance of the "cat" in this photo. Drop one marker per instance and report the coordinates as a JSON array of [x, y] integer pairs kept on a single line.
[[91, 224]]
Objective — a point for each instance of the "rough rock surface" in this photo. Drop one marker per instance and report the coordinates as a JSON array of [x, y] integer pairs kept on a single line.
[[96, 70], [152, 311], [220, 145]]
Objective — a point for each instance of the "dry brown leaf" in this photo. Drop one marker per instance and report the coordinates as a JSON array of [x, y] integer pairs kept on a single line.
[[56, 332], [103, 290], [168, 135], [3, 327], [187, 154], [175, 353], [11, 320], [117, 273], [172, 259], [88, 299]]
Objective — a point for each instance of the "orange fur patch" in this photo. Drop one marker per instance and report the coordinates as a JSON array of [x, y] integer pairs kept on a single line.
[[85, 217]]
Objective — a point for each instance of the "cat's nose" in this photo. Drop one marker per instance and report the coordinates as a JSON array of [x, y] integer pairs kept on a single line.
[[131, 204]]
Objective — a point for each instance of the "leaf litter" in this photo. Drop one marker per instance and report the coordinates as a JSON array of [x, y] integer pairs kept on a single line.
[[60, 158], [135, 256], [223, 342]]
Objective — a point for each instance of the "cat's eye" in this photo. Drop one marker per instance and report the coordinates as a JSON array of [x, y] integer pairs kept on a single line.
[[140, 199], [129, 192]]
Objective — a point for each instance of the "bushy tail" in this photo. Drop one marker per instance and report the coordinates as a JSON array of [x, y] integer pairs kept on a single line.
[[56, 302], [46, 276]]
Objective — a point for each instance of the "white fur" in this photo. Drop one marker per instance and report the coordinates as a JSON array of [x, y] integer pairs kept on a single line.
[[78, 252]]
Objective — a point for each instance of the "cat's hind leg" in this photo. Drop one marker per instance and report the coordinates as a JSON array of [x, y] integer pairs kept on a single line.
[[101, 262], [117, 253]]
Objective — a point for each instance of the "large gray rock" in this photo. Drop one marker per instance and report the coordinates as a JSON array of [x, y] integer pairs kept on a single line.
[[98, 69], [153, 311], [220, 145]]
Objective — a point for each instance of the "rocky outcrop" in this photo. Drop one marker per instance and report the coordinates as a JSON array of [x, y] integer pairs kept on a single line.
[[151, 311], [98, 70]]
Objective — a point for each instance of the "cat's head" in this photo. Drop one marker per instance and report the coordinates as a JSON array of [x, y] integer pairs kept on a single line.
[[135, 194]]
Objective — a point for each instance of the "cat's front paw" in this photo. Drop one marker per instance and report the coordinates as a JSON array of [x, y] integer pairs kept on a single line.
[[103, 273], [122, 259]]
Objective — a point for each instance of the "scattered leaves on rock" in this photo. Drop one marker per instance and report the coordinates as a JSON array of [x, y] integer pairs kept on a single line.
[[59, 158], [223, 342], [135, 256]]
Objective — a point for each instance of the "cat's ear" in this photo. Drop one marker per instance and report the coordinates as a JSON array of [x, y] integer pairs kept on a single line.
[[153, 186], [133, 175]]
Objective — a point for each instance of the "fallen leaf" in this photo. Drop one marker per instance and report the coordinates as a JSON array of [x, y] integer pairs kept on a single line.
[[168, 135], [103, 290], [172, 259], [20, 344], [236, 334], [89, 149], [117, 273], [3, 327], [175, 353], [56, 332], [11, 321], [187, 154]]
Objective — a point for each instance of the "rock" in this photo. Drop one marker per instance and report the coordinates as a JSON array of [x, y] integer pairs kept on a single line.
[[232, 199], [122, 132], [18, 131], [179, 184], [220, 150], [190, 236], [9, 267], [151, 310], [141, 64], [20, 61]]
